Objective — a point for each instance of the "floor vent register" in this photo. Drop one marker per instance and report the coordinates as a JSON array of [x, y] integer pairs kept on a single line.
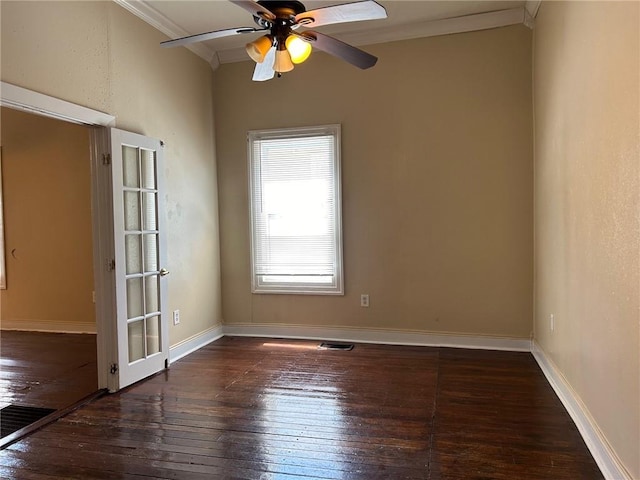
[[335, 346], [15, 417]]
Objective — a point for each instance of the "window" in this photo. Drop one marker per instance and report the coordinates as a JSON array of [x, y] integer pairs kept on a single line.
[[296, 237]]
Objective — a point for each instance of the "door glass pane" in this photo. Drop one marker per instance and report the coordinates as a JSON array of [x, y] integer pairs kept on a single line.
[[131, 211], [153, 335], [136, 340], [133, 244], [130, 167], [151, 294], [150, 211], [148, 168], [134, 297], [150, 253]]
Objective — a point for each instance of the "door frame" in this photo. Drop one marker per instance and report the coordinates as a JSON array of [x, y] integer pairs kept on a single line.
[[13, 96]]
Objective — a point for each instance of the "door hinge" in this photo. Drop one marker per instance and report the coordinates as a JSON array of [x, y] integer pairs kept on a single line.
[[106, 159], [111, 265], [113, 368]]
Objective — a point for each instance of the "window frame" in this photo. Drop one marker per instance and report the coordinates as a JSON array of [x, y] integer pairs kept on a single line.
[[298, 288]]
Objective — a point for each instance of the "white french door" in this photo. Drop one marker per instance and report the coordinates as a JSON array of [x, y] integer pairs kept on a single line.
[[140, 256]]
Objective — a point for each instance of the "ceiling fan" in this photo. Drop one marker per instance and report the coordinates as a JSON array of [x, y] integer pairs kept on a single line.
[[283, 45]]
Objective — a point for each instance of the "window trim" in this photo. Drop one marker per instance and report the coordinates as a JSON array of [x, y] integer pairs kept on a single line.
[[336, 288]]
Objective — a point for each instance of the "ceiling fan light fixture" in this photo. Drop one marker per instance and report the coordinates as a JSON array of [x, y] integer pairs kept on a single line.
[[299, 50], [282, 62], [281, 45], [259, 48]]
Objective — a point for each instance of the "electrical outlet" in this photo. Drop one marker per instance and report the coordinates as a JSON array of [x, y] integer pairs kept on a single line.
[[176, 317], [552, 322], [364, 300]]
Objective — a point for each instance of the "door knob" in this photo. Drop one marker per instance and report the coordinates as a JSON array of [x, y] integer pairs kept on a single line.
[[164, 271]]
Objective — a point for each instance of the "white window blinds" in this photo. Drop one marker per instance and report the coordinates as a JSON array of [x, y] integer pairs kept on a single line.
[[295, 210]]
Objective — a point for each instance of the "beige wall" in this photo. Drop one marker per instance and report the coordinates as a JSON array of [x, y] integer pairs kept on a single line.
[[437, 183], [587, 187], [99, 55], [47, 213]]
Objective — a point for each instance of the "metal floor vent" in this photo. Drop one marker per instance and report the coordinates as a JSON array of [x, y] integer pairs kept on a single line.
[[335, 346], [15, 417]]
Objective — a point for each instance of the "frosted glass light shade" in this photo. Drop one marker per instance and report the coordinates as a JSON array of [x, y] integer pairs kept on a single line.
[[258, 49], [298, 49], [282, 62]]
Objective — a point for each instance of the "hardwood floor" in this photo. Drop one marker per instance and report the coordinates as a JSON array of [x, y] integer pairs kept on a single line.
[[246, 408], [52, 370]]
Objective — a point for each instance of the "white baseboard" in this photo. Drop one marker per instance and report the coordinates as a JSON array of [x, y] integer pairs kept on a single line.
[[602, 452], [50, 326], [191, 344], [388, 337]]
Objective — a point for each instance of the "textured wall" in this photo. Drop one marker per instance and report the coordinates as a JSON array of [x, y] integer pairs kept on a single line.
[[47, 207], [587, 187], [99, 55], [437, 183]]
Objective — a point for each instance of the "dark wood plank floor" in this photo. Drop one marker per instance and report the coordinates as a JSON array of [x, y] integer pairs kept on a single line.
[[245, 408], [50, 370]]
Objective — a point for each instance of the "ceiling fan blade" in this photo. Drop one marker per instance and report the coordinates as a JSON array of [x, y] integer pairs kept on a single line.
[[255, 9], [264, 71], [348, 12], [337, 48], [201, 37]]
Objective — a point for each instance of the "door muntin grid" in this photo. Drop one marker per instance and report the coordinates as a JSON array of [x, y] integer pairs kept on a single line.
[[142, 255]]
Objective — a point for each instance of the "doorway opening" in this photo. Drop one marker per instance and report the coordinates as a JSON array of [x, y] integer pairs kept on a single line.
[[47, 311], [87, 350]]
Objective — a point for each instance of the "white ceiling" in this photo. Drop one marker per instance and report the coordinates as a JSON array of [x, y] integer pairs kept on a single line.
[[406, 19]]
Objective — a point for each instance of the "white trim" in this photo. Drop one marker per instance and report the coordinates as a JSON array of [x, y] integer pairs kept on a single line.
[[103, 278], [529, 21], [191, 344], [532, 7], [611, 467], [12, 96], [388, 337], [605, 457], [51, 326], [157, 20], [446, 26]]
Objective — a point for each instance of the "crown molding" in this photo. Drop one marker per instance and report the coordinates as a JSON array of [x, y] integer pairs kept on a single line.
[[154, 18], [446, 26], [532, 7]]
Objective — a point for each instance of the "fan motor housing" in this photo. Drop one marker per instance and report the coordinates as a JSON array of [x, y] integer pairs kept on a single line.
[[283, 8], [285, 12]]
